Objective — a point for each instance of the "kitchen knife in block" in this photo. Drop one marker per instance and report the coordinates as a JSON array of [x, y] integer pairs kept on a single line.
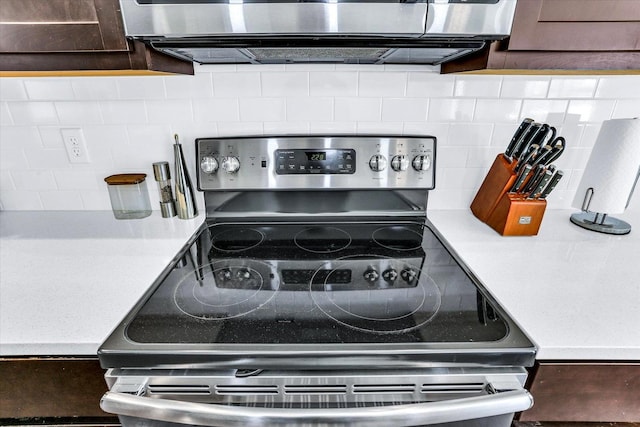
[[498, 181], [517, 216]]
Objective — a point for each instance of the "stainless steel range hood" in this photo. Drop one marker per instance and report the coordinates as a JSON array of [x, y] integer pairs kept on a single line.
[[318, 31]]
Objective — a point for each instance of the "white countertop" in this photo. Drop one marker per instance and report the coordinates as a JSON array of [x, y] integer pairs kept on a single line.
[[68, 278]]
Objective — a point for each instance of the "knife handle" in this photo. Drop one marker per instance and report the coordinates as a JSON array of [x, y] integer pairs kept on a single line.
[[538, 173], [540, 185], [516, 136], [533, 150], [520, 179], [552, 184]]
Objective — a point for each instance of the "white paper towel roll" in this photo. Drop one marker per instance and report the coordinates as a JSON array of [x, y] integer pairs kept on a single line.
[[613, 167]]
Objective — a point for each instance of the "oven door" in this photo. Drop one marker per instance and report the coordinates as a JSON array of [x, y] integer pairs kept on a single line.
[[434, 397]]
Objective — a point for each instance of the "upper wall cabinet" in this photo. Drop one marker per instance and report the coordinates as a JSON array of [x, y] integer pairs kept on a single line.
[[73, 35], [567, 35]]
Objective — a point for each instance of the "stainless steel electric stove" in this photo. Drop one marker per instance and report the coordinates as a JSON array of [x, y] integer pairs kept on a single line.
[[317, 292]]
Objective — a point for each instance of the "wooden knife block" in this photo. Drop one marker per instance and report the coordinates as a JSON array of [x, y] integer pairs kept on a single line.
[[508, 214], [498, 181], [516, 216]]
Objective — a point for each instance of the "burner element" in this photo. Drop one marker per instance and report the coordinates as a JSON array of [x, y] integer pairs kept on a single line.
[[322, 239], [237, 239], [380, 304], [229, 289], [398, 238]]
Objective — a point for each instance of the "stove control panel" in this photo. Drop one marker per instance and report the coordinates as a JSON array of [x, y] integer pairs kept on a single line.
[[316, 162]]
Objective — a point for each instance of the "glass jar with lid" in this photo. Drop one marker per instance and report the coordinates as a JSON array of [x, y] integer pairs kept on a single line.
[[129, 195]]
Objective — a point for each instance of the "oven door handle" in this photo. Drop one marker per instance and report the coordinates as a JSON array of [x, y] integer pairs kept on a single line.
[[398, 415]]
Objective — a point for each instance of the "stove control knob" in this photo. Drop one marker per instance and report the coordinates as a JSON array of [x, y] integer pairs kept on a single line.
[[390, 275], [378, 163], [371, 275], [408, 275], [224, 275], [230, 164], [421, 162], [243, 274], [399, 163], [209, 165]]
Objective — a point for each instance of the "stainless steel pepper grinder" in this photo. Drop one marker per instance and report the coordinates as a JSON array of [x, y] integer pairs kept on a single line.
[[185, 196]]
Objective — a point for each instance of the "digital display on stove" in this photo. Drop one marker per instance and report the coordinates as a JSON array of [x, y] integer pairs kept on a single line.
[[325, 162], [314, 156]]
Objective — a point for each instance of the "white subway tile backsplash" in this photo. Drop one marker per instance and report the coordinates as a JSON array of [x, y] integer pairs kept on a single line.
[[355, 109], [572, 87], [589, 135], [141, 87], [227, 85], [544, 110], [188, 87], [525, 87], [49, 89], [262, 109], [327, 128], [427, 85], [33, 180], [169, 110], [33, 113], [78, 113], [382, 84], [240, 129], [478, 86], [626, 108], [5, 115], [497, 110], [129, 122], [470, 134], [17, 137], [96, 200], [591, 110], [6, 182], [76, 179], [439, 130], [216, 110], [617, 87], [12, 158], [285, 84], [46, 159], [401, 109], [286, 128], [123, 112], [61, 200], [450, 157], [51, 136], [94, 88], [318, 109], [480, 157], [12, 89], [380, 128], [335, 83], [21, 200], [444, 109], [502, 134]]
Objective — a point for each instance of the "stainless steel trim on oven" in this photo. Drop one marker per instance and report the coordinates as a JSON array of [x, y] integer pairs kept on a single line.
[[335, 398]]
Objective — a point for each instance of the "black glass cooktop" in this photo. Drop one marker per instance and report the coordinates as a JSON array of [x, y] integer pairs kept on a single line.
[[321, 283]]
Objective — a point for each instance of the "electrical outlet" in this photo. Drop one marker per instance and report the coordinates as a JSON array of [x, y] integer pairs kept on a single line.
[[75, 144]]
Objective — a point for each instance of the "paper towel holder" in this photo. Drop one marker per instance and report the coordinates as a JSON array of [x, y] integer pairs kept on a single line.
[[600, 222], [610, 177]]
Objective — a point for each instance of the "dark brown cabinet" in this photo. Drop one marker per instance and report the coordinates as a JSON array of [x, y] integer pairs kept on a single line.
[[585, 392], [74, 35], [566, 35], [58, 389]]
